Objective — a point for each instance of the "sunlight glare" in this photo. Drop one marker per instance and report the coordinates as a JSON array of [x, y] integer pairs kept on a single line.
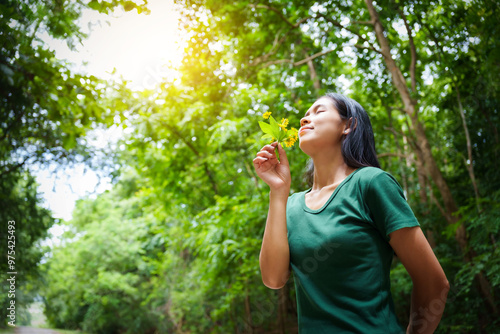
[[144, 49]]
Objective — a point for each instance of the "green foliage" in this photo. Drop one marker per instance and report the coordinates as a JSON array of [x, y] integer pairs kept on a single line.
[[45, 113], [174, 246], [90, 286], [278, 131], [45, 109], [20, 202]]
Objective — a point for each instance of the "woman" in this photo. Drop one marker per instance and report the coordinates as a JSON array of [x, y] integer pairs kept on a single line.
[[339, 236]]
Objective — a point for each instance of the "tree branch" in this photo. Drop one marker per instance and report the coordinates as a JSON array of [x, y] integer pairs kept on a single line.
[[300, 62], [195, 151], [394, 131], [280, 14], [314, 76], [413, 52], [276, 62], [432, 36], [367, 48], [339, 25], [181, 137], [362, 22], [316, 55], [391, 154], [436, 202], [397, 77], [9, 127], [302, 21], [13, 167], [469, 165], [277, 43]]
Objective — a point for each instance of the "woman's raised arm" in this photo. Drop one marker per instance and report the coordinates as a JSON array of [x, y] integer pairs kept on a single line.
[[274, 254]]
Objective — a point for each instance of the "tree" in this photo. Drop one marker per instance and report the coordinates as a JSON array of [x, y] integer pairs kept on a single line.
[[187, 182], [45, 112]]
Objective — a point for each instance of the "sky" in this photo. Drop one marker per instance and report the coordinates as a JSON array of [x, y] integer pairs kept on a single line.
[[138, 46], [142, 49]]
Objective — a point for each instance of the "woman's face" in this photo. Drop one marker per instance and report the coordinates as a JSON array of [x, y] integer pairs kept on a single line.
[[322, 127]]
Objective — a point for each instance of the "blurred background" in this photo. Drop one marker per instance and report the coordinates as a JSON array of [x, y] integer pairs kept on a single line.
[[128, 129]]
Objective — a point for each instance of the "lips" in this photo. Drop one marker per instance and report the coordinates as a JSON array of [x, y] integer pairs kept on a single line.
[[304, 129]]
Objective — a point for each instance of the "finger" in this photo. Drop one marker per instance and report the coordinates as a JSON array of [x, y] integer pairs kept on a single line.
[[283, 157], [269, 148], [259, 160], [266, 154]]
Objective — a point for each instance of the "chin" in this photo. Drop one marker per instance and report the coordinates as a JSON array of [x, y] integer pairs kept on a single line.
[[315, 146], [306, 146]]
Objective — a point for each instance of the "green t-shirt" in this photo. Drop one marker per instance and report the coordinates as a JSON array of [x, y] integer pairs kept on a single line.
[[341, 257]]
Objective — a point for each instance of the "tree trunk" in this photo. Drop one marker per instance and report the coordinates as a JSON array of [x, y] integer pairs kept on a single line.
[[483, 110], [410, 107], [314, 77], [468, 164], [412, 110], [282, 303], [430, 238], [434, 172], [407, 152], [422, 178], [398, 151], [248, 314]]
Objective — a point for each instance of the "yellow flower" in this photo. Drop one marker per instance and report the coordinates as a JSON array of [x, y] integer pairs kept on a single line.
[[290, 141], [266, 115], [284, 123], [291, 138]]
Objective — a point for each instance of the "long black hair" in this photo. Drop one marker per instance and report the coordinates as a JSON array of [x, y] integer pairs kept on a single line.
[[358, 147]]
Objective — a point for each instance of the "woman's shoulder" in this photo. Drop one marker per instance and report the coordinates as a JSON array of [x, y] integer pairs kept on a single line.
[[297, 194], [374, 179], [295, 197], [294, 202], [368, 174]]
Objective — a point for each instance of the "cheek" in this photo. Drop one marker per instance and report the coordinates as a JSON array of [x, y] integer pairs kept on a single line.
[[331, 133], [331, 129]]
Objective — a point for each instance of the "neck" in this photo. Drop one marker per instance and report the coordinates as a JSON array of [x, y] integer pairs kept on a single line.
[[329, 169]]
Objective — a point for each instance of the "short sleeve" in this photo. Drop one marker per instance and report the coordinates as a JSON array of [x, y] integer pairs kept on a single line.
[[387, 205]]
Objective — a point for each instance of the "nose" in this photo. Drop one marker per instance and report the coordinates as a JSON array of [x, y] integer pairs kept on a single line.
[[304, 121]]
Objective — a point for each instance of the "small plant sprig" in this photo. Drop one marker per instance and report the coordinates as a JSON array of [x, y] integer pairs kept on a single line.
[[278, 131]]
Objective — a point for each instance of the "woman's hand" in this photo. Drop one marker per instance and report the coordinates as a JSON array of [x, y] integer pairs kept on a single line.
[[276, 174], [274, 256]]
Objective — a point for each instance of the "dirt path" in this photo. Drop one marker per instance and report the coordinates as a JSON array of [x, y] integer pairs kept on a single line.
[[30, 330]]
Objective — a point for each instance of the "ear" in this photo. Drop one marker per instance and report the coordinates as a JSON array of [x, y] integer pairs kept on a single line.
[[347, 129]]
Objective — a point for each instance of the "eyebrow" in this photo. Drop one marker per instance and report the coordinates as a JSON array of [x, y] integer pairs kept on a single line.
[[314, 108]]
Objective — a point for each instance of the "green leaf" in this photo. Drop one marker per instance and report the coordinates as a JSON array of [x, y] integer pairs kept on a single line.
[[275, 127], [273, 122], [282, 135], [267, 128]]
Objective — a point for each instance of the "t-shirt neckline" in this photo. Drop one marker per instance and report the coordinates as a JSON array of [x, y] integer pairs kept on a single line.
[[344, 181]]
